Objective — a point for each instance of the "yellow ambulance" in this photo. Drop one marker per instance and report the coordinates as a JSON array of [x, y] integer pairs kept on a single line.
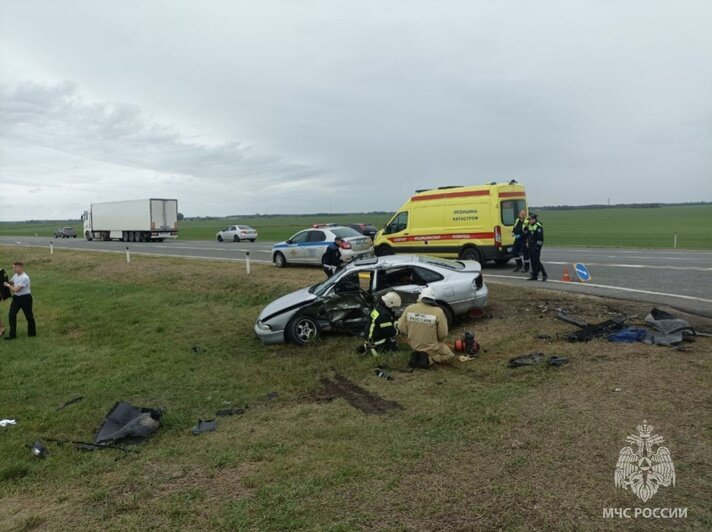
[[466, 222]]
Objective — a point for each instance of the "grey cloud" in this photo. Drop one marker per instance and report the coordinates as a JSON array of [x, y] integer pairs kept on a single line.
[[58, 118]]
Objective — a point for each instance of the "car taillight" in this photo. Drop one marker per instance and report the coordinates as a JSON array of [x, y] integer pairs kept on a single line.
[[477, 282], [497, 236], [345, 244], [243, 232]]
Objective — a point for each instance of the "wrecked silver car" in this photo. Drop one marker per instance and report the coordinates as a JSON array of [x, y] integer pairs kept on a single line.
[[343, 302]]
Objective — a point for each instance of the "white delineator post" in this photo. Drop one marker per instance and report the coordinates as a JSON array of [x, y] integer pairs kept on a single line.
[[674, 240], [247, 261], [51, 248], [128, 255]]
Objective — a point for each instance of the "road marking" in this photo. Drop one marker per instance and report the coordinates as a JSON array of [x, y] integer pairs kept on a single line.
[[609, 287], [643, 266]]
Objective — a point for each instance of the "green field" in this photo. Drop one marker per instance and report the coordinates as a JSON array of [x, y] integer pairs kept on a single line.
[[612, 227], [476, 446]]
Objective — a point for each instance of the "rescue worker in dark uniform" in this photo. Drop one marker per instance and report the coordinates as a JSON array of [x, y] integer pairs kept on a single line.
[[520, 250], [535, 241], [331, 259], [382, 330]]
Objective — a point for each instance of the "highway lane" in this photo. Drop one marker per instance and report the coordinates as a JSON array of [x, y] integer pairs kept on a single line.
[[680, 279]]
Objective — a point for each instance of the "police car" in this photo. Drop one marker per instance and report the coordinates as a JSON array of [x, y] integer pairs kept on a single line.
[[307, 246]]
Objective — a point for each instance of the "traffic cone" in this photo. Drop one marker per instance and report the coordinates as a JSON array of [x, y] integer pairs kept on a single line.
[[566, 277]]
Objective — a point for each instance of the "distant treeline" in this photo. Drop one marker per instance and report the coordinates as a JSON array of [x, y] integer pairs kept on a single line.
[[619, 206], [285, 215]]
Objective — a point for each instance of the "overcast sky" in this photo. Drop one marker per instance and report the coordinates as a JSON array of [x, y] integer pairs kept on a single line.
[[242, 107]]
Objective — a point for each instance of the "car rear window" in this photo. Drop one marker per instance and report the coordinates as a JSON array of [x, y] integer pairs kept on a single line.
[[443, 263], [246, 227], [345, 232]]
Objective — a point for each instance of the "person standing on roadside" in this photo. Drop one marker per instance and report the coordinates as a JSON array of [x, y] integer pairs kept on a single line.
[[19, 285], [4, 294], [331, 259], [535, 241], [520, 250]]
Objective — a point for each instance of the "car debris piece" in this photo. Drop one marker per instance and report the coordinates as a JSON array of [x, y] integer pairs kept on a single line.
[[70, 402], [205, 425], [557, 361], [231, 411], [628, 335], [528, 359], [542, 336], [272, 395], [7, 422], [39, 450], [573, 321], [382, 374], [597, 330], [125, 421]]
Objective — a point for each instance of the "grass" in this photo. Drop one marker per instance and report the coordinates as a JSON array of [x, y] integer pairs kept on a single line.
[[613, 227], [476, 446]]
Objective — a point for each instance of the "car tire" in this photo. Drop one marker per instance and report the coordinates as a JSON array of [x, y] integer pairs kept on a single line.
[[220, 238], [236, 238], [384, 249], [471, 253], [449, 315], [302, 330], [279, 260], [252, 239]]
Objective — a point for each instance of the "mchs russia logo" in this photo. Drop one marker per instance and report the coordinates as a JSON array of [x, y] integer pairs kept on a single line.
[[645, 465]]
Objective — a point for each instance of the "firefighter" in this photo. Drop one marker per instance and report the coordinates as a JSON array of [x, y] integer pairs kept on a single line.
[[331, 259], [426, 326], [382, 330], [520, 250], [535, 242]]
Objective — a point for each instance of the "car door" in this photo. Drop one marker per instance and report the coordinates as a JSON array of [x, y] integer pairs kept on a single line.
[[316, 246], [295, 247], [404, 280], [347, 305]]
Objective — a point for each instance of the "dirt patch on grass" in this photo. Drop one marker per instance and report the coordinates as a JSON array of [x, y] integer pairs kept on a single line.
[[356, 396]]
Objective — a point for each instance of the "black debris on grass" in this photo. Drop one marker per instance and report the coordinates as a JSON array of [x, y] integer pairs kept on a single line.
[[128, 423], [205, 425], [528, 359]]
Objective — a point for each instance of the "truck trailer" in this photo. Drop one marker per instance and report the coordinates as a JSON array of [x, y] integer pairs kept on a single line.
[[142, 220]]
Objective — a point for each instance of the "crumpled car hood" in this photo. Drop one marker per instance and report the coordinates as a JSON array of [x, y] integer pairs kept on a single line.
[[290, 300]]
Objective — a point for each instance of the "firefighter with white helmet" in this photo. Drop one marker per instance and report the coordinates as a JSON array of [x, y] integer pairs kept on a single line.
[[426, 326], [382, 331]]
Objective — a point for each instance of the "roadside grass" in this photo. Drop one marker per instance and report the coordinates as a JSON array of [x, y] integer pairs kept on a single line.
[[477, 446], [610, 227]]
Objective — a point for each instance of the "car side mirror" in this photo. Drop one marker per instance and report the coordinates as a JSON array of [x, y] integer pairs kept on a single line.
[[289, 241]]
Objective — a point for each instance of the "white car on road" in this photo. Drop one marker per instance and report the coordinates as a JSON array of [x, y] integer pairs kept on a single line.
[[307, 246], [236, 233]]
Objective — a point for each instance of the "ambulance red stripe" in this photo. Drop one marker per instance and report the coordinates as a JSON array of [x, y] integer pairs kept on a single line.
[[442, 236], [444, 195]]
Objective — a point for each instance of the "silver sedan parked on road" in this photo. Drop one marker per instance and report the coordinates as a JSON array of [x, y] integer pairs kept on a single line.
[[308, 246], [343, 302], [236, 233]]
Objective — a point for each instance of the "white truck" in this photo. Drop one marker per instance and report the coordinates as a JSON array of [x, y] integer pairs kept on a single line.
[[142, 220]]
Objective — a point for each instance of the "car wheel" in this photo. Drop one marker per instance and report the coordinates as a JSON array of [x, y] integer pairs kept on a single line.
[[236, 238], [252, 239], [279, 260], [449, 316], [471, 253], [302, 330], [384, 249], [220, 239]]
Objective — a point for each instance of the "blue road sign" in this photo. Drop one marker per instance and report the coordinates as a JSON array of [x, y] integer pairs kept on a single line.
[[582, 272]]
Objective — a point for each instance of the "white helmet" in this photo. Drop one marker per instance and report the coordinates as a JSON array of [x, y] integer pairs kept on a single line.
[[391, 299], [427, 295]]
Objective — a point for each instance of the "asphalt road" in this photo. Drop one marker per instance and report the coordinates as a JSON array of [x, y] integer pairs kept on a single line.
[[679, 279]]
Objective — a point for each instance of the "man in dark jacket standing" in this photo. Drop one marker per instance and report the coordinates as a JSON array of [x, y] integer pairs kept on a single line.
[[535, 242], [520, 250], [331, 259]]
